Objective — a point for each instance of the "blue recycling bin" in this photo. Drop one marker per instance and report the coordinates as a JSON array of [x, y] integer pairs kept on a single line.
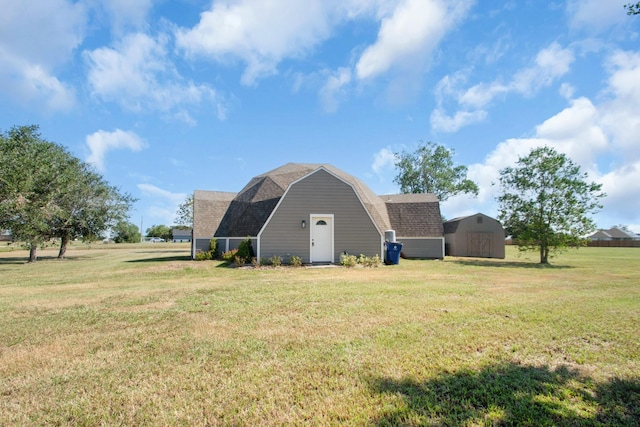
[[393, 253]]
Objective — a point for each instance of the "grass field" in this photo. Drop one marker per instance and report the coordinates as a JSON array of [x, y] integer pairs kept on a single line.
[[140, 335]]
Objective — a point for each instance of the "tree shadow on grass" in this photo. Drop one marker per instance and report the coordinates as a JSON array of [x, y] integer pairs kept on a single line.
[[511, 394], [484, 262], [45, 258], [164, 258]]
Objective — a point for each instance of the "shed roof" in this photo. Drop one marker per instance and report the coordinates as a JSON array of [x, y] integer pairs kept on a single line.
[[414, 215], [451, 225]]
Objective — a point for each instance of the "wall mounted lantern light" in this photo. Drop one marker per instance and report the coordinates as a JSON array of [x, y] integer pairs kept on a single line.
[[303, 224]]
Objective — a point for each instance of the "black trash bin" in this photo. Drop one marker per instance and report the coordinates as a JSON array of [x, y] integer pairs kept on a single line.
[[393, 253]]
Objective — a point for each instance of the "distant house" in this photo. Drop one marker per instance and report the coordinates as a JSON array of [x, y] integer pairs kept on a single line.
[[474, 236], [180, 235], [316, 212], [612, 234], [5, 236]]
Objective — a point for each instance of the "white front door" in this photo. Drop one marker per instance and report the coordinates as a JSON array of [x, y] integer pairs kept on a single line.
[[322, 238]]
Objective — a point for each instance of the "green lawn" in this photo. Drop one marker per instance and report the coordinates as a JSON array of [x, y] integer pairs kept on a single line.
[[140, 335]]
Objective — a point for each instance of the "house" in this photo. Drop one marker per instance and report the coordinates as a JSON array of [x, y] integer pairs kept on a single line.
[[612, 234], [316, 212], [5, 236], [180, 235], [474, 236]]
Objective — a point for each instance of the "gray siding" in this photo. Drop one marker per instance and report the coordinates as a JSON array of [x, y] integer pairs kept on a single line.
[[427, 247], [224, 244], [201, 245], [320, 193]]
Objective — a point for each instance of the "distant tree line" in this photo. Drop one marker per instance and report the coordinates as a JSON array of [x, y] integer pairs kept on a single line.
[[47, 193]]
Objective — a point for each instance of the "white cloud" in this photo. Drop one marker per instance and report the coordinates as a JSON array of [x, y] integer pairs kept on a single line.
[[383, 160], [259, 33], [101, 142], [334, 89], [620, 112], [152, 190], [409, 35], [138, 74], [550, 64], [440, 121], [126, 14], [622, 186], [262, 34], [586, 133], [163, 204], [596, 15], [34, 42]]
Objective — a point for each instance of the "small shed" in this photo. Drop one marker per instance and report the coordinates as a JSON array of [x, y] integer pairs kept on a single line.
[[474, 236]]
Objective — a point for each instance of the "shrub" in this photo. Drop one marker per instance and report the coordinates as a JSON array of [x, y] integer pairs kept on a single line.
[[275, 260], [245, 249], [373, 261], [239, 261], [229, 256], [347, 260], [213, 248], [295, 261], [203, 255], [256, 262]]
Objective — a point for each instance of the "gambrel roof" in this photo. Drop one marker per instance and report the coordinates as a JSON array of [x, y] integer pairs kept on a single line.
[[247, 211]]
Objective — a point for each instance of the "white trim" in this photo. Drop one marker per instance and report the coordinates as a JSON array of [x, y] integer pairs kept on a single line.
[[311, 217]]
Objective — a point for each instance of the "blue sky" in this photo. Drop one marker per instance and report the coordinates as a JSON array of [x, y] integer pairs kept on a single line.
[[165, 97]]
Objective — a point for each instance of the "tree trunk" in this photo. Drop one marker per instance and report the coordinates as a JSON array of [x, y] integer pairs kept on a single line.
[[64, 241], [544, 255], [33, 253]]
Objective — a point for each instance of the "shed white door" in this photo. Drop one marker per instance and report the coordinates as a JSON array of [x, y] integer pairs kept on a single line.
[[321, 239]]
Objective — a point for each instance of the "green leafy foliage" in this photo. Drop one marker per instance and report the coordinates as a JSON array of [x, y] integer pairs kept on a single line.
[[295, 261], [126, 232], [203, 256], [632, 9], [245, 249], [347, 260], [229, 256], [545, 202], [275, 261], [46, 192], [162, 231], [184, 214], [213, 248], [430, 169]]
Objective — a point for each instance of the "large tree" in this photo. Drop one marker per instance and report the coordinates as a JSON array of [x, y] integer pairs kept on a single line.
[[184, 214], [46, 192], [126, 232], [430, 169], [88, 208], [545, 202], [31, 183]]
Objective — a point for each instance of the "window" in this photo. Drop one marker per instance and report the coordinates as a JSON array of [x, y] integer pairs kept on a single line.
[[321, 222], [479, 220]]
